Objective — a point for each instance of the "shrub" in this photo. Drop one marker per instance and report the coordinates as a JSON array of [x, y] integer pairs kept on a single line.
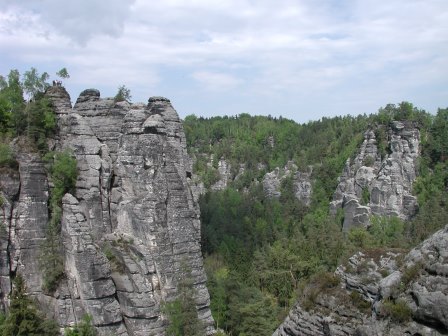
[[320, 283], [358, 301], [359, 237], [210, 177], [7, 157], [410, 274], [63, 172], [123, 94], [398, 311], [84, 328], [117, 265], [369, 161], [365, 196]]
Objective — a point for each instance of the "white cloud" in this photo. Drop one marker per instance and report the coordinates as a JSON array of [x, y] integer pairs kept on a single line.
[[292, 49], [78, 20], [215, 81]]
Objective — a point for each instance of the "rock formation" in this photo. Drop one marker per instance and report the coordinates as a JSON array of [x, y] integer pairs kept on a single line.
[[224, 173], [379, 293], [131, 230], [376, 183], [271, 181], [301, 182]]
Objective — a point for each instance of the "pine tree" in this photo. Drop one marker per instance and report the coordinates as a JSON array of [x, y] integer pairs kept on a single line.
[[182, 313], [24, 319]]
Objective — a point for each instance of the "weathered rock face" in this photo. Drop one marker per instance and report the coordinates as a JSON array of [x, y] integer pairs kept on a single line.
[[301, 182], [381, 295], [374, 185], [130, 231], [271, 181], [225, 175], [24, 195]]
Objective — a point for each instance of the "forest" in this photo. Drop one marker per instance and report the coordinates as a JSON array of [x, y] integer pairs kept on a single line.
[[261, 252]]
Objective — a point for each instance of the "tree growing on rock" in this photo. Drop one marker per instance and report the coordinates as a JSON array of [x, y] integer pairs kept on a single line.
[[182, 315], [123, 94], [23, 318], [84, 328]]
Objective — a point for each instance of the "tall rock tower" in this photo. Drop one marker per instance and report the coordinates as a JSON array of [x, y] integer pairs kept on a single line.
[[130, 231], [376, 183]]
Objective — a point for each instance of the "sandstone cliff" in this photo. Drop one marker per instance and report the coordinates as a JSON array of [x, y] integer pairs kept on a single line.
[[131, 230], [379, 293], [380, 183], [301, 182], [271, 181]]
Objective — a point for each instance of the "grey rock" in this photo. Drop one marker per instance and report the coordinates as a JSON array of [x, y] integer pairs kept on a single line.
[[302, 185], [271, 183], [130, 230], [387, 181], [225, 174], [424, 292]]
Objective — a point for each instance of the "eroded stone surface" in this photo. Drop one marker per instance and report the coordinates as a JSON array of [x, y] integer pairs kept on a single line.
[[376, 185], [421, 283], [131, 229]]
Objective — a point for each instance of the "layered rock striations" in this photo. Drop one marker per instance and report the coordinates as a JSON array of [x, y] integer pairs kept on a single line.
[[377, 294], [131, 229], [379, 182]]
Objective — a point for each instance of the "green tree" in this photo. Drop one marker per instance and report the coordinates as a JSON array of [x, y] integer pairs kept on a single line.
[[84, 328], [23, 318], [438, 145], [181, 312], [251, 312], [7, 156], [63, 73], [387, 231], [63, 173], [41, 122], [34, 83], [12, 115], [123, 94]]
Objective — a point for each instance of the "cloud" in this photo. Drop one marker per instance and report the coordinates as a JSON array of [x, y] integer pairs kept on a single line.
[[79, 20], [330, 51], [215, 81]]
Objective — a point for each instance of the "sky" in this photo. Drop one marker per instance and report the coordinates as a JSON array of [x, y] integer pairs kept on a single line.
[[302, 59]]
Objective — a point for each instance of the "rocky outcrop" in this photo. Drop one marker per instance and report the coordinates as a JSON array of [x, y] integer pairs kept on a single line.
[[380, 183], [271, 181], [301, 182], [224, 174], [131, 229], [380, 293]]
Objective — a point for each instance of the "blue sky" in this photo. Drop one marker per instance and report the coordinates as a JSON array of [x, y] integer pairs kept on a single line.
[[301, 59]]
